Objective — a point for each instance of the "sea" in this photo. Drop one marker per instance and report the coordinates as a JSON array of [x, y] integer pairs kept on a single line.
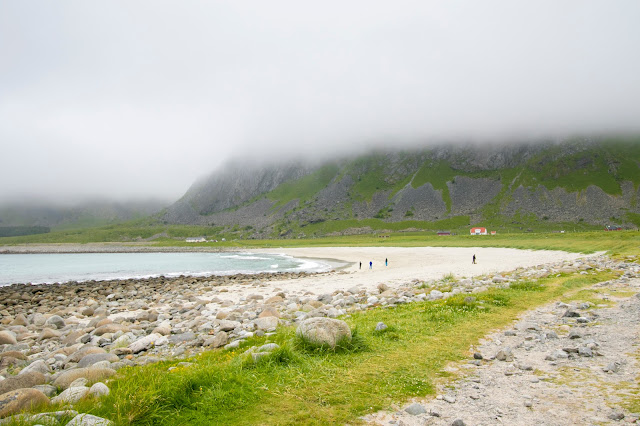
[[66, 267]]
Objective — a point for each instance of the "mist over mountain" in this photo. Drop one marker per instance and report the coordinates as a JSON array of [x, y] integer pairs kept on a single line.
[[528, 186], [57, 215]]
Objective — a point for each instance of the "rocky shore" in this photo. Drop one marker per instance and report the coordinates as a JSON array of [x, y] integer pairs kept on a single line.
[[56, 340]]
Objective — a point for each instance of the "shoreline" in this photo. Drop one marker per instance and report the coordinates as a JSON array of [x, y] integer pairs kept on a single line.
[[405, 264], [74, 248]]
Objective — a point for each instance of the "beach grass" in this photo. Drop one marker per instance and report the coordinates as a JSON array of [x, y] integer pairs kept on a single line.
[[615, 243], [296, 385]]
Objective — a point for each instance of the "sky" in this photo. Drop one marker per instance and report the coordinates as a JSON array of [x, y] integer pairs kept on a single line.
[[138, 99]]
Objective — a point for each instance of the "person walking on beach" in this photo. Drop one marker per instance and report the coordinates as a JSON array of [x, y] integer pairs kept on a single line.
[[370, 265], [473, 261], [386, 262], [360, 265]]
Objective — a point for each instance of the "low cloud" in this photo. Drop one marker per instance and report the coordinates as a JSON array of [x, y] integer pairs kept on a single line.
[[138, 99]]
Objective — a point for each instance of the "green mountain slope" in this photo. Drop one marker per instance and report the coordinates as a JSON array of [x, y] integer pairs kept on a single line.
[[579, 183]]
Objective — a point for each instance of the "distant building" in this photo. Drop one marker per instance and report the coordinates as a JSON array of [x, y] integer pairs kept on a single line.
[[613, 228], [444, 232], [494, 232], [196, 240], [479, 231]]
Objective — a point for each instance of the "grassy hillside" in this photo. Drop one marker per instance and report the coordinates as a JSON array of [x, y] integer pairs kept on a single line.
[[573, 166]]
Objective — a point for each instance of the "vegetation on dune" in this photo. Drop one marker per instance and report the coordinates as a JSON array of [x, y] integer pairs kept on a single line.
[[383, 367]]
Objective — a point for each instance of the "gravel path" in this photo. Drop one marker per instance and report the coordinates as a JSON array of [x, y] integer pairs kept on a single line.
[[560, 364]]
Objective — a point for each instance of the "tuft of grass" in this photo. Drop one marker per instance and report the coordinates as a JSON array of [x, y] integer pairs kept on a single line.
[[389, 333], [449, 278], [527, 286]]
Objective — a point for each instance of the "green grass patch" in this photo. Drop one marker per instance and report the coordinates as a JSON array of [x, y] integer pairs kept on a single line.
[[527, 286], [303, 189]]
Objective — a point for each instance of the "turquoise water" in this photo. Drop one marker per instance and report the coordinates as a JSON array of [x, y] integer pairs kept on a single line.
[[58, 268]]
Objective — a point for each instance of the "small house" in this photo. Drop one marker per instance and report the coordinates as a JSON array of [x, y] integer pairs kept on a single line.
[[444, 233], [478, 231], [494, 232]]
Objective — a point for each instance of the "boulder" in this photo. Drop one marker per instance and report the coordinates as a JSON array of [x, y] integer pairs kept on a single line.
[[227, 325], [49, 333], [324, 331], [163, 329], [269, 347], [505, 354], [89, 420], [20, 320], [20, 400], [415, 409], [48, 390], [99, 389], [7, 338], [267, 323], [13, 354], [71, 395], [27, 380], [275, 300], [220, 339], [182, 337], [56, 322], [65, 379], [90, 359], [40, 366], [110, 328], [86, 350], [269, 312], [147, 342]]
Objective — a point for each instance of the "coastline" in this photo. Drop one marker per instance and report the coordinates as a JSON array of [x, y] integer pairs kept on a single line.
[[63, 248]]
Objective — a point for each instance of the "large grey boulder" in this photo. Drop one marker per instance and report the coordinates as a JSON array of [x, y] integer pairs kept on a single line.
[[110, 328], [415, 409], [148, 342], [84, 351], [220, 339], [266, 323], [90, 359], [40, 366], [71, 395], [227, 325], [56, 322], [99, 389], [20, 400], [21, 381], [324, 331], [65, 379]]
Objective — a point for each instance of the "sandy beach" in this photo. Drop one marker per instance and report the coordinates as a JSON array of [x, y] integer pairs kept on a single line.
[[405, 264]]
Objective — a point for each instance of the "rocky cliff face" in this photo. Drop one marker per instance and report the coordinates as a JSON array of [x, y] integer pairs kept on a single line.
[[577, 181]]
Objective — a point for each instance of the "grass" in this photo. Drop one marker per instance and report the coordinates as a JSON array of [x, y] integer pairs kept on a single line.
[[616, 243], [304, 188], [381, 368]]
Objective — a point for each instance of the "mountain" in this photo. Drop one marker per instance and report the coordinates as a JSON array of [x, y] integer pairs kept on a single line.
[[81, 215], [582, 184]]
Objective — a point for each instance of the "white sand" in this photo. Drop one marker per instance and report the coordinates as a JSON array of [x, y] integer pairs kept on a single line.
[[405, 265]]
